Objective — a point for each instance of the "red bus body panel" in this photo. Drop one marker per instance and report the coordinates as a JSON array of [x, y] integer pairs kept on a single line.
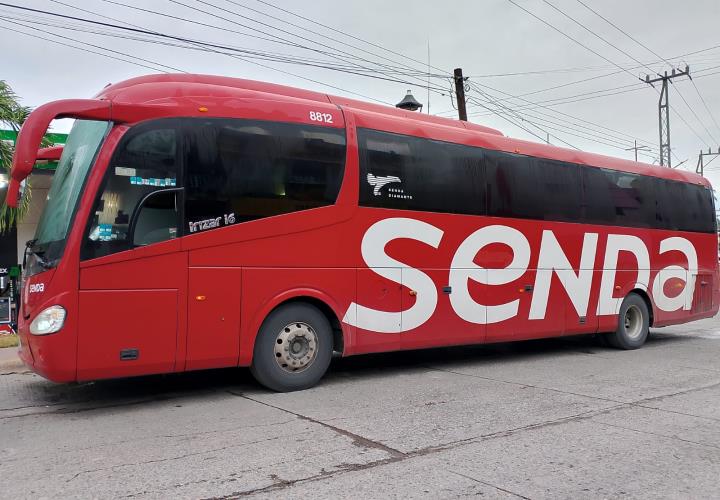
[[198, 301]]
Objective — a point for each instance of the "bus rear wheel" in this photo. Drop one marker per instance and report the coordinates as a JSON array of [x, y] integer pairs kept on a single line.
[[633, 324], [293, 348]]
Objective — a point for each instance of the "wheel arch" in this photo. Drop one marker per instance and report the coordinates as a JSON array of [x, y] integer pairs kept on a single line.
[[313, 297], [648, 302], [330, 314]]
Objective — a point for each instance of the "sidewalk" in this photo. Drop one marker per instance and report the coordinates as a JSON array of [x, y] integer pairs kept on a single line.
[[9, 361]]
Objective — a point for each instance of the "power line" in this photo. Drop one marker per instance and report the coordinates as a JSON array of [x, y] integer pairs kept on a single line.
[[647, 79], [677, 90], [313, 21], [269, 37], [335, 30], [623, 31], [581, 44], [574, 130], [217, 48], [202, 11], [594, 34], [80, 48], [575, 82], [584, 96], [546, 23], [585, 69], [597, 77], [510, 120], [591, 50], [607, 129], [707, 108], [170, 16], [532, 119], [491, 110], [213, 47], [371, 72], [190, 40], [247, 54], [333, 39], [545, 124], [540, 105]]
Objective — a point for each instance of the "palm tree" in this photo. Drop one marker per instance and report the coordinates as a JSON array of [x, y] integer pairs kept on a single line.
[[12, 115]]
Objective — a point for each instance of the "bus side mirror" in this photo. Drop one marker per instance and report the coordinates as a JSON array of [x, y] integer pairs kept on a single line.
[[52, 153], [156, 218]]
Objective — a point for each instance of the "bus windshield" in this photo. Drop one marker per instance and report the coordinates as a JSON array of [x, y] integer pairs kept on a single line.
[[78, 154]]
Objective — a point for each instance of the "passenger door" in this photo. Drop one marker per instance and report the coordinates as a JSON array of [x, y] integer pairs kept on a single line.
[[133, 275]]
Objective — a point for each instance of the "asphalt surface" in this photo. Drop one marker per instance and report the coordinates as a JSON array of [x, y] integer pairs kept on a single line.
[[561, 418]]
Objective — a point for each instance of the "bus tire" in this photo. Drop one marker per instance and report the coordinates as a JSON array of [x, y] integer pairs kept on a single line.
[[633, 324], [293, 348]]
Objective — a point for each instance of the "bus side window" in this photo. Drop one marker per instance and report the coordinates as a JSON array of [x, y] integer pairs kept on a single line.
[[412, 173], [685, 207], [144, 162], [512, 186], [619, 198], [242, 170]]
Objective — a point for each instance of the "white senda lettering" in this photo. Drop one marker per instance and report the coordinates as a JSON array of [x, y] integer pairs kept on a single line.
[[463, 269], [373, 253], [685, 298], [607, 304], [552, 259]]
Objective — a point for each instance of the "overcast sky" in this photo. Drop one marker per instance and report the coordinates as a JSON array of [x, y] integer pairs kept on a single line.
[[503, 49]]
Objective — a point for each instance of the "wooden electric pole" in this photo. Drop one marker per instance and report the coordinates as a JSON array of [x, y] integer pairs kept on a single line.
[[460, 93]]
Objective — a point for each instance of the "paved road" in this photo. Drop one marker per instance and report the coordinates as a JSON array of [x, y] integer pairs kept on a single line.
[[550, 419]]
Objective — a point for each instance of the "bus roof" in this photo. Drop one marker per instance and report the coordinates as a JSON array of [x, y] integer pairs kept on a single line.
[[146, 89]]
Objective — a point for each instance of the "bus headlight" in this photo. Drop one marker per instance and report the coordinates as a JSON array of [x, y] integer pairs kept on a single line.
[[49, 320]]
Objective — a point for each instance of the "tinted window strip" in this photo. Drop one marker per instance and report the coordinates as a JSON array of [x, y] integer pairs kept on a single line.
[[411, 173]]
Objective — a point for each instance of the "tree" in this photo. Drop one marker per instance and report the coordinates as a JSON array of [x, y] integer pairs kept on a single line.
[[12, 115]]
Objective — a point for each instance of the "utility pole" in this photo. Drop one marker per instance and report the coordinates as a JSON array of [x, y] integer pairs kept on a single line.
[[700, 169], [460, 93], [637, 148], [664, 111]]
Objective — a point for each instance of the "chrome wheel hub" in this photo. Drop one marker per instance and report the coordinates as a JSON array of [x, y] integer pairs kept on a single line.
[[296, 347]]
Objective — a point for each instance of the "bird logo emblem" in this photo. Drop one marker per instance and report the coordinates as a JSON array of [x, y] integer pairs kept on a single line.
[[379, 182]]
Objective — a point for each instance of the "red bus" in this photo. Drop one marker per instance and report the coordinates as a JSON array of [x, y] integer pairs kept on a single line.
[[200, 222]]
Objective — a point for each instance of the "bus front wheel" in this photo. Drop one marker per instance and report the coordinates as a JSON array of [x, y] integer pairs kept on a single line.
[[633, 324], [293, 348]]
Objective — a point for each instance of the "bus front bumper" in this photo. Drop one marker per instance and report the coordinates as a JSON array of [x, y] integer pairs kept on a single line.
[[50, 356]]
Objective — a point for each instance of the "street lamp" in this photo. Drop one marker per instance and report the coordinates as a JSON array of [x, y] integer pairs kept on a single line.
[[409, 103]]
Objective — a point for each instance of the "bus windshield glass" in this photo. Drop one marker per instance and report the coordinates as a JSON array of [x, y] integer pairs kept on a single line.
[[78, 155]]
